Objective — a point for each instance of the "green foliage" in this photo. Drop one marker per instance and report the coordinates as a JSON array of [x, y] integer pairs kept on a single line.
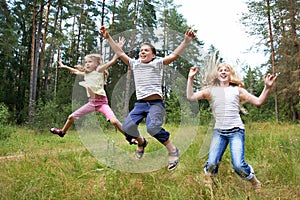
[[254, 83], [173, 109], [73, 32], [5, 129], [281, 18], [4, 114], [205, 113], [51, 114]]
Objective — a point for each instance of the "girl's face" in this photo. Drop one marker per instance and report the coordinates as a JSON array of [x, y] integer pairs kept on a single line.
[[224, 75], [90, 65], [146, 55]]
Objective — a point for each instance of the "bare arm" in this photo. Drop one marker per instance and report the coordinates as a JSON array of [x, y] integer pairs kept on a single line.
[[189, 36], [70, 69], [258, 101], [114, 59], [118, 50], [191, 95]]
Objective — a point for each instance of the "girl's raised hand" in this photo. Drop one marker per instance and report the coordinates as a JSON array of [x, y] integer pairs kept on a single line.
[[121, 42], [189, 35], [193, 72], [104, 31], [269, 79]]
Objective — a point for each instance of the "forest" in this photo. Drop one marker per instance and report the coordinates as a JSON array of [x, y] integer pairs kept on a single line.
[[35, 34]]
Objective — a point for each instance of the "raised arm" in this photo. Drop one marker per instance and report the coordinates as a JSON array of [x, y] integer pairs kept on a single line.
[[189, 36], [190, 94], [118, 50], [269, 79], [70, 69], [114, 59]]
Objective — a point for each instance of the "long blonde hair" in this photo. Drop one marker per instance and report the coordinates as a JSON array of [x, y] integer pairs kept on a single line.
[[234, 78], [213, 66]]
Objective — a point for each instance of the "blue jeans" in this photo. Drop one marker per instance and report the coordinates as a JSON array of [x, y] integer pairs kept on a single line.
[[154, 112], [235, 138]]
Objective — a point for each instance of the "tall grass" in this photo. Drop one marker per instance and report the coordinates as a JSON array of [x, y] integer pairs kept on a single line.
[[38, 165]]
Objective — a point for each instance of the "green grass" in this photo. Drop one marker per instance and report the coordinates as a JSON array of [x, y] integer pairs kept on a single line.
[[39, 165]]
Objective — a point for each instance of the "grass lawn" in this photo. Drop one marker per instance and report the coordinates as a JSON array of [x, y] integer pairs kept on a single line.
[[39, 165]]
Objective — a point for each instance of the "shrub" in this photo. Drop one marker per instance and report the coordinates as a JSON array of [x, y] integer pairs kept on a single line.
[[5, 129], [4, 114], [51, 114]]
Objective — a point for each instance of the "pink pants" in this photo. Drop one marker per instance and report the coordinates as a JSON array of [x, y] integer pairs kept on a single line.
[[95, 104]]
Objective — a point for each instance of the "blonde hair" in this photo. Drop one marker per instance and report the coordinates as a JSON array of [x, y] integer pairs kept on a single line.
[[234, 78], [99, 60], [213, 66], [96, 57]]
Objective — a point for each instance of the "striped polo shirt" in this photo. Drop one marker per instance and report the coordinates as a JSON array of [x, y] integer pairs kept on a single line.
[[147, 77]]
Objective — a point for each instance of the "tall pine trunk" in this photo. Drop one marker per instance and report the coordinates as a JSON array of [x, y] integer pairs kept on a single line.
[[51, 52], [42, 55], [32, 90], [273, 58]]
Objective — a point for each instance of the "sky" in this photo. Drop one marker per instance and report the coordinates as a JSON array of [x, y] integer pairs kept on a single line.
[[217, 22]]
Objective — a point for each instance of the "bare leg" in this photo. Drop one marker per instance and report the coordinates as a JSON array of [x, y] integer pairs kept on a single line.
[[116, 123], [68, 123], [173, 155], [62, 132]]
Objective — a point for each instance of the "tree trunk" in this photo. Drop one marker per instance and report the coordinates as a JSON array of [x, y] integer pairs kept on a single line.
[[41, 65], [79, 34], [58, 53], [273, 59], [32, 69], [102, 23], [51, 52], [37, 48]]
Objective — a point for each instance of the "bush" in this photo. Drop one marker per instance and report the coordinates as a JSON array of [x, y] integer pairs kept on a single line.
[[5, 129], [51, 115], [4, 114]]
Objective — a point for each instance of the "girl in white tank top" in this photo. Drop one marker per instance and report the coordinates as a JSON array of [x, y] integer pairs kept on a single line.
[[226, 92]]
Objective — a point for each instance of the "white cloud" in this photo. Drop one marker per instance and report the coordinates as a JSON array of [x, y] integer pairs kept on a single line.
[[217, 22]]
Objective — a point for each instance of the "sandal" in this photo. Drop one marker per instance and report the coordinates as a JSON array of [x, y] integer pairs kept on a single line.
[[173, 164], [139, 153], [133, 141], [57, 131]]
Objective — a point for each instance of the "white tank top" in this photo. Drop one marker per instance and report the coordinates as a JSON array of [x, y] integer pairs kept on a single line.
[[226, 107], [94, 81]]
